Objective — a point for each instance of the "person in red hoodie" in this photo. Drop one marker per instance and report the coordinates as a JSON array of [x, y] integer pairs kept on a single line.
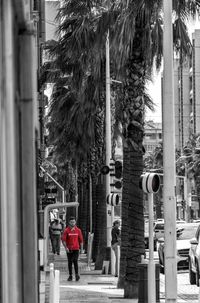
[[72, 240]]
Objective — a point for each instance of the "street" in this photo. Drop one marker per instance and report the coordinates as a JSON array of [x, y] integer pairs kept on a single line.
[[186, 292]]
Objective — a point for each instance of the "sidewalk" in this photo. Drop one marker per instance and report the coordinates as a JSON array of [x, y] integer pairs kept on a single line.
[[93, 286]]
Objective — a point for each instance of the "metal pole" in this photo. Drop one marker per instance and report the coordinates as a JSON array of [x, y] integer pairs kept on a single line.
[[63, 195], [58, 184], [108, 139], [90, 200], [151, 265], [169, 159], [28, 125], [11, 288], [113, 259]]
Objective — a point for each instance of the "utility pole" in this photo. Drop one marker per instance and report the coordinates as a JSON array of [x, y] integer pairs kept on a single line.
[[108, 137], [169, 159], [108, 149]]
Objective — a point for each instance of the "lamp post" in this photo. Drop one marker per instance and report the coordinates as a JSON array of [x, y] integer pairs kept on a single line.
[[108, 138], [169, 158]]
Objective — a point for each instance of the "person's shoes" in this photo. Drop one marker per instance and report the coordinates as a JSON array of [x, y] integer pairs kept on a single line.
[[116, 275], [70, 278], [77, 277], [58, 253]]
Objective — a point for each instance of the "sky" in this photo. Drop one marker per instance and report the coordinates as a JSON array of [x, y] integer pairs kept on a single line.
[[154, 87]]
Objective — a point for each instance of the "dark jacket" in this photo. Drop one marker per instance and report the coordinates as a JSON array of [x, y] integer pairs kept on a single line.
[[116, 235]]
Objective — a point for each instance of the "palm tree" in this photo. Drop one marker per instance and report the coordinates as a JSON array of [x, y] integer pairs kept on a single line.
[[77, 110], [189, 166], [139, 40], [136, 36]]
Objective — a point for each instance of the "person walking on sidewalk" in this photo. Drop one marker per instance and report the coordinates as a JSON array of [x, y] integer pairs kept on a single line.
[[115, 243], [72, 240], [55, 231]]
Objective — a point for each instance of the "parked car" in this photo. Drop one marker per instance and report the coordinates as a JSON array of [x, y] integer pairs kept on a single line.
[[180, 222], [146, 236], [194, 258], [159, 227], [184, 232]]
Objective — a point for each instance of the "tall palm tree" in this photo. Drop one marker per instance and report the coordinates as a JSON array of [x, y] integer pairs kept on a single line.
[[77, 111], [136, 36], [139, 40]]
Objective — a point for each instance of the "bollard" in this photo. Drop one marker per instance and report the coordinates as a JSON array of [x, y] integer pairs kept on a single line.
[[113, 261], [118, 260], [143, 283], [57, 286], [51, 286]]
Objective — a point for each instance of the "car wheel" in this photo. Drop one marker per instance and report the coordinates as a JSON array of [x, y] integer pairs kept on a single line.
[[192, 275], [197, 274]]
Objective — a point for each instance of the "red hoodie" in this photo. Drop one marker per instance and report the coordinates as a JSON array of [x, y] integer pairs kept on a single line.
[[72, 237]]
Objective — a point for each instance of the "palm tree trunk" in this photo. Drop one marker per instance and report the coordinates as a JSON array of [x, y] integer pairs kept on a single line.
[[124, 231], [133, 232], [133, 245]]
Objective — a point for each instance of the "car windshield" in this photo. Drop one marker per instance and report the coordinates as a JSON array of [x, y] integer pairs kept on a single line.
[[184, 233]]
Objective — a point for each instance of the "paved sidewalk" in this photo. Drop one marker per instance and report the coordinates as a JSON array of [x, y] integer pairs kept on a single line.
[[95, 287]]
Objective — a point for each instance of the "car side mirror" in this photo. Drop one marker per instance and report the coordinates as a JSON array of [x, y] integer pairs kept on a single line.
[[194, 241]]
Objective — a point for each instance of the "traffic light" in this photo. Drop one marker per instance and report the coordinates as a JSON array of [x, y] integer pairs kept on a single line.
[[118, 175], [118, 169], [113, 199], [149, 182], [115, 171], [105, 170], [183, 204]]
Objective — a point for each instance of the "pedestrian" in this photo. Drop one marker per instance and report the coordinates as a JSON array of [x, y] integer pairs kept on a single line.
[[72, 240], [115, 243], [55, 230]]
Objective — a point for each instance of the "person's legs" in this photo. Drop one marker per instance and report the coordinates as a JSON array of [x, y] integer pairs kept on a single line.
[[58, 244], [116, 261], [70, 258], [54, 243], [75, 261], [114, 247]]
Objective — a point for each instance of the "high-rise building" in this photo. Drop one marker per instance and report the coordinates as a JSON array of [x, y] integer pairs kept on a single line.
[[153, 135], [187, 94]]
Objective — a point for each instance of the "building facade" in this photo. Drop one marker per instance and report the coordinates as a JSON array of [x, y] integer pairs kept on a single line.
[[21, 31], [153, 135]]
